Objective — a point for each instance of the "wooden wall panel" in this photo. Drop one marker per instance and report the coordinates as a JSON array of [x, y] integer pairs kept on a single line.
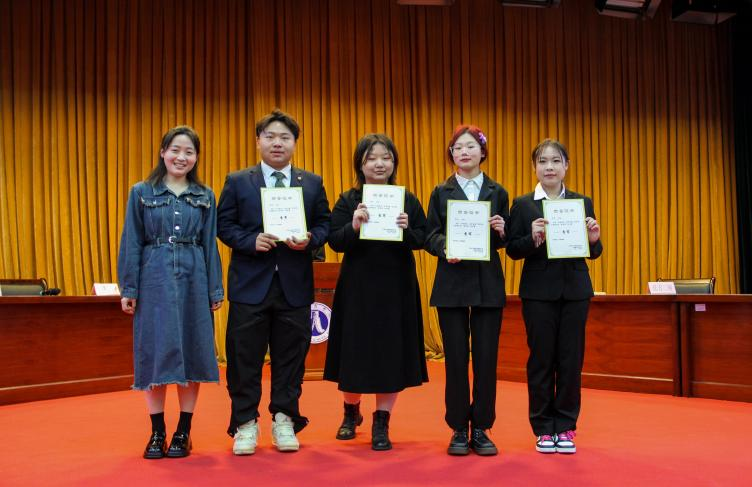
[[719, 357]]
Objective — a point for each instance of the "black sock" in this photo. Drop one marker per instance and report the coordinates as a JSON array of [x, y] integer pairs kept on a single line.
[[184, 423], [157, 422]]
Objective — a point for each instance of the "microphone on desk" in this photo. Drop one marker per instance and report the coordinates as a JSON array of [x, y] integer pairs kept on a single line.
[[53, 291]]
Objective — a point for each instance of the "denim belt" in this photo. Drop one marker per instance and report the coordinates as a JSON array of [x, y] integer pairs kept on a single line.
[[172, 239]]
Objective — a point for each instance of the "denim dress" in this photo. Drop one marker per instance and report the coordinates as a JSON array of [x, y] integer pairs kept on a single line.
[[170, 264]]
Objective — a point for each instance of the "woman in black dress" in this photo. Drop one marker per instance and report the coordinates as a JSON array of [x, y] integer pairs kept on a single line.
[[469, 296], [376, 334]]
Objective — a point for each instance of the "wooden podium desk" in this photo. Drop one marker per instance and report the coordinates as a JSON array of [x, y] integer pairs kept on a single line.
[[324, 281], [57, 346], [716, 346], [690, 345], [695, 345]]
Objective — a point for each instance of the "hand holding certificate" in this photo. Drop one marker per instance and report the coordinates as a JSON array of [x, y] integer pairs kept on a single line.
[[468, 234], [283, 212], [385, 203], [566, 232]]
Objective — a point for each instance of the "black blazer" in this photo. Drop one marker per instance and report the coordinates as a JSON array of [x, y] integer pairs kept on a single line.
[[544, 279], [239, 222], [466, 283]]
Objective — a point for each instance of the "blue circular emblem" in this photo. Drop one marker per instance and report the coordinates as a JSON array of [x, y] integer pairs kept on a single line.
[[321, 314]]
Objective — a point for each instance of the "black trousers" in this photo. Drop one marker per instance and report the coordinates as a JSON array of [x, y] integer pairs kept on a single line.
[[459, 327], [286, 331], [556, 339]]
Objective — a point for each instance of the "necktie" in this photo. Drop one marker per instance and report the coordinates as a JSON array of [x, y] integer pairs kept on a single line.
[[279, 176]]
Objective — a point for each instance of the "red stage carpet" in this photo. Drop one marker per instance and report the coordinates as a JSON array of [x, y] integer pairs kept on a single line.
[[624, 439]]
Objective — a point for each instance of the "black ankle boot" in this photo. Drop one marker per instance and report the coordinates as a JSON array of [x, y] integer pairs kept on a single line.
[[351, 419], [380, 431], [460, 443]]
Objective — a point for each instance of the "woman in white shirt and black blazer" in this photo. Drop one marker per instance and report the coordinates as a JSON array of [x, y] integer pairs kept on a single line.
[[469, 296], [555, 297]]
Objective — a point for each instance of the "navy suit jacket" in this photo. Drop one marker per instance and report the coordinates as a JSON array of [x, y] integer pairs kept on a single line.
[[239, 222]]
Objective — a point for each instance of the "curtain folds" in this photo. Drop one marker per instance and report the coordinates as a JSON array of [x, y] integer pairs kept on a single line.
[[87, 88]]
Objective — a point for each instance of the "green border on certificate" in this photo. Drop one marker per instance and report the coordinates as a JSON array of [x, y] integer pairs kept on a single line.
[[399, 236], [487, 205], [547, 206], [298, 191]]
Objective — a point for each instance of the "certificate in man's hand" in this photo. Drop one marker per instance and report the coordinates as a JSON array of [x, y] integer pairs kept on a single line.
[[384, 203], [468, 235], [283, 212], [566, 232]]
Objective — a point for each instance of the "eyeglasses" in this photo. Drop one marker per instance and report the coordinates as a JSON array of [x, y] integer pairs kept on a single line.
[[271, 137], [457, 149]]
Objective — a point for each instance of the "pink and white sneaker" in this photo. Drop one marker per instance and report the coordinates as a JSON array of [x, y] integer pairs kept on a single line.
[[546, 444], [565, 442]]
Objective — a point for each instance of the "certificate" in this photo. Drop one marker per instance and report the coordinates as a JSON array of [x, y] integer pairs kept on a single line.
[[566, 232], [468, 235], [384, 203], [283, 212]]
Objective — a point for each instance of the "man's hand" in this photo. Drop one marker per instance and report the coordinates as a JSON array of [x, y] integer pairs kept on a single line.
[[297, 243], [265, 242]]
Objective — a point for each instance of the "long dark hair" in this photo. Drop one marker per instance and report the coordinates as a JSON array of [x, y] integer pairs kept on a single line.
[[365, 144], [160, 171]]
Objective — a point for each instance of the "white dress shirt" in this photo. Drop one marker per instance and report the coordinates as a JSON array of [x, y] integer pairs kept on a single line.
[[540, 193], [471, 187], [269, 180]]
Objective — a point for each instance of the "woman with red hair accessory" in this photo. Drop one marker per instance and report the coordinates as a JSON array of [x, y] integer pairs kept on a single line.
[[469, 295]]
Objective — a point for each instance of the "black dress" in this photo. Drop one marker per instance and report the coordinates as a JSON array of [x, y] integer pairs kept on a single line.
[[376, 334]]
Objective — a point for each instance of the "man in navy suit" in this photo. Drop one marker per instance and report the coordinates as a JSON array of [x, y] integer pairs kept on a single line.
[[270, 287]]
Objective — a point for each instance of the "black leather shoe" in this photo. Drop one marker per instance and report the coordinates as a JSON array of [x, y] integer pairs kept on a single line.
[[352, 419], [482, 444], [459, 445], [180, 446], [380, 431], [157, 445]]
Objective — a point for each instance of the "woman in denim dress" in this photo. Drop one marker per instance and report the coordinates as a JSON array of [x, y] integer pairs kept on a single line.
[[171, 280]]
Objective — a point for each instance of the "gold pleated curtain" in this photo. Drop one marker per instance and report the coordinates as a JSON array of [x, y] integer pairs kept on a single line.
[[87, 88]]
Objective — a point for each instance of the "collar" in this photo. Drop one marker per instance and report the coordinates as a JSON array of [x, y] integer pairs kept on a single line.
[[267, 171], [161, 188], [463, 181], [540, 193]]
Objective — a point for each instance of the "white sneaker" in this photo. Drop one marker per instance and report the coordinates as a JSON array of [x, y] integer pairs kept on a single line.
[[246, 438], [283, 434]]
